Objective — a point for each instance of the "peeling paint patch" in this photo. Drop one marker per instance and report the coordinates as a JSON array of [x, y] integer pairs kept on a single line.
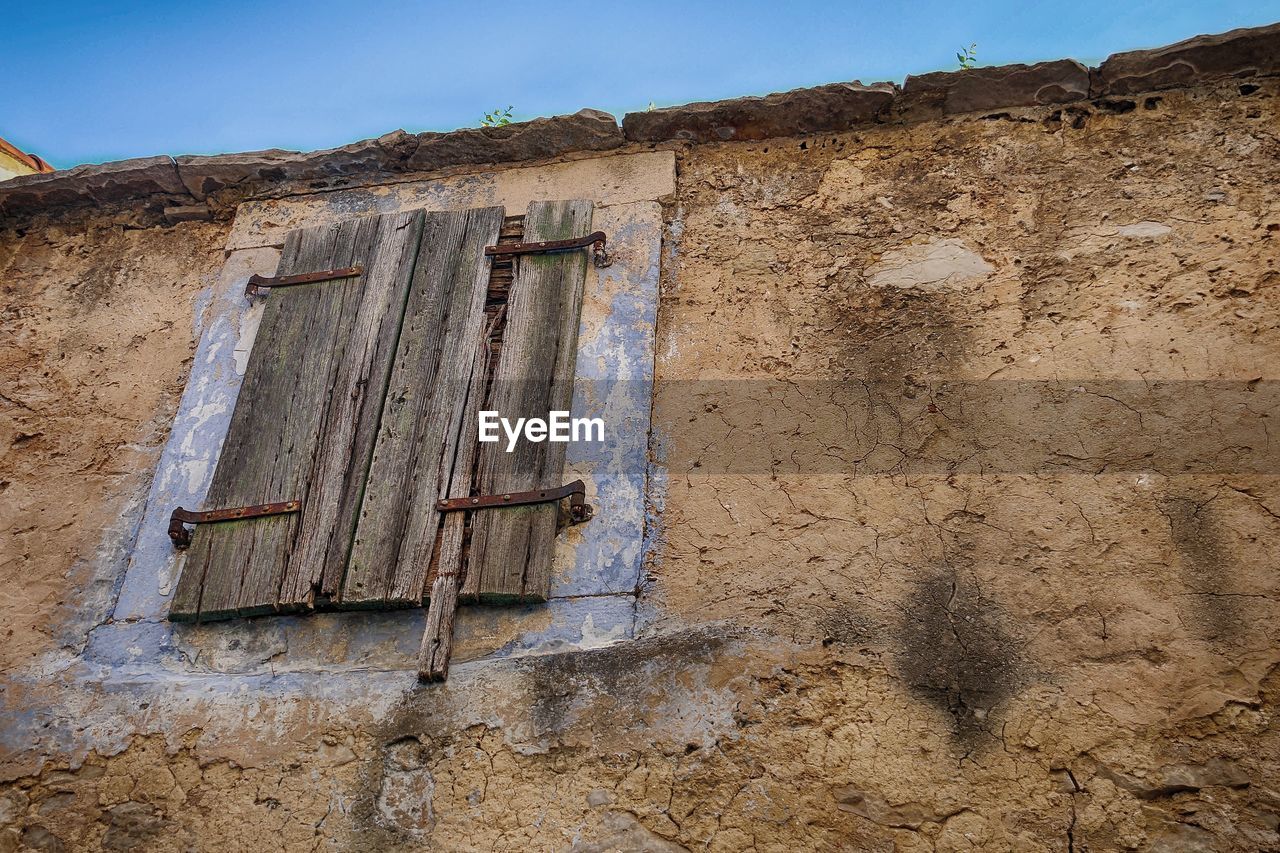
[[249, 323], [614, 381], [187, 462]]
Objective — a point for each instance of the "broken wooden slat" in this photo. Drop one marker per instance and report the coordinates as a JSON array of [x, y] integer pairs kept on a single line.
[[422, 414], [511, 547], [437, 638]]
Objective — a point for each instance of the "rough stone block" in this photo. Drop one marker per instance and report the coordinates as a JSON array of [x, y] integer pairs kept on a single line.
[[585, 130], [981, 89], [1203, 59], [399, 151], [101, 184], [204, 175], [829, 108]]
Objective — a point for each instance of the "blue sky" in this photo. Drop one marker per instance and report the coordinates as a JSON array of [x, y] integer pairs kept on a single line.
[[86, 82]]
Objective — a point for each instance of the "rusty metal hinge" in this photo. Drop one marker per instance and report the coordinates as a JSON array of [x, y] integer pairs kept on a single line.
[[258, 284], [596, 240], [576, 492], [182, 537]]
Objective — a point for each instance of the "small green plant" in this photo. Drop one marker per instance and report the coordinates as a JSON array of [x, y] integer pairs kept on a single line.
[[497, 118], [968, 56]]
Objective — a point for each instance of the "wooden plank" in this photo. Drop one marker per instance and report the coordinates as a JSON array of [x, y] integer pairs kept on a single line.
[[224, 553], [422, 414], [511, 547], [277, 428], [371, 325], [201, 567], [251, 464], [437, 638], [300, 401]]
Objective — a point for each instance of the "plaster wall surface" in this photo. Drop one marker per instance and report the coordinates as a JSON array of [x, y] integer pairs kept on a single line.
[[1072, 649], [96, 340]]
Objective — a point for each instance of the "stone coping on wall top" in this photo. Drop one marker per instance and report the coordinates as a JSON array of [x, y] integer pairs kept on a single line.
[[185, 183]]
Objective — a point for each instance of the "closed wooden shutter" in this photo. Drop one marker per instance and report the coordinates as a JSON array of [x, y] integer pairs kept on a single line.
[[422, 413], [302, 426], [511, 548], [360, 400]]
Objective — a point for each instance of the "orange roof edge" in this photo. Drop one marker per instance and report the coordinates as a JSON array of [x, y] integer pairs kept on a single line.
[[30, 159]]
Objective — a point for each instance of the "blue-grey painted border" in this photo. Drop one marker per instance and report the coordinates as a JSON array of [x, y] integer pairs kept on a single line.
[[598, 566]]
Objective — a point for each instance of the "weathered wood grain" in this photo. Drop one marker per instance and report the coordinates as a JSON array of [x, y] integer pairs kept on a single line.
[[247, 465], [223, 572], [361, 398], [511, 548], [422, 413], [255, 452], [369, 323], [437, 638], [299, 402], [291, 385]]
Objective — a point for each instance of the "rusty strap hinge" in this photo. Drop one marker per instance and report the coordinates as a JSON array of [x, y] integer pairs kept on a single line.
[[258, 284], [596, 240], [576, 492], [182, 537]]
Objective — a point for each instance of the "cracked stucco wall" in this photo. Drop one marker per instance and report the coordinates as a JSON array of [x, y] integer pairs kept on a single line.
[[932, 645]]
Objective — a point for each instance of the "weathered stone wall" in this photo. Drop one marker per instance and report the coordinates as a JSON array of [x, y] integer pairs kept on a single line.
[[1075, 650]]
